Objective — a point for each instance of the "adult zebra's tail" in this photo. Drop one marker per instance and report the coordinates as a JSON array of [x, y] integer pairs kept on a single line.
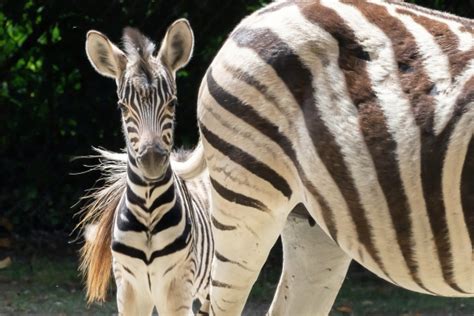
[[98, 217], [192, 165]]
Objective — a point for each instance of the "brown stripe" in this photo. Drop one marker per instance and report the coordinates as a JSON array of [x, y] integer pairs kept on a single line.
[[222, 258], [467, 178], [240, 74], [128, 270], [238, 198], [464, 21], [247, 161], [250, 116], [223, 285], [221, 226], [433, 154], [149, 281], [417, 87], [467, 29], [446, 39], [382, 147], [234, 105], [298, 80], [273, 7], [413, 79]]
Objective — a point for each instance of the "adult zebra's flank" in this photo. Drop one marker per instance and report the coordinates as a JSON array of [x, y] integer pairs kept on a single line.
[[150, 225], [360, 112]]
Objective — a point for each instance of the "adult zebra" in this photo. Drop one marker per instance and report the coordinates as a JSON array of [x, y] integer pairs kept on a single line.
[[156, 224], [360, 112]]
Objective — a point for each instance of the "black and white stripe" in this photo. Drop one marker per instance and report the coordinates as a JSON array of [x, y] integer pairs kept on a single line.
[[162, 231], [161, 241], [362, 112]]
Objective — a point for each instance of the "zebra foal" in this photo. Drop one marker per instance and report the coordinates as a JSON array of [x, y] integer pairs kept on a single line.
[[150, 227], [360, 113]]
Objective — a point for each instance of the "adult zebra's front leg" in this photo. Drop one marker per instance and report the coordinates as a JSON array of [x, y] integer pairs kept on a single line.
[[241, 249], [314, 267], [244, 231]]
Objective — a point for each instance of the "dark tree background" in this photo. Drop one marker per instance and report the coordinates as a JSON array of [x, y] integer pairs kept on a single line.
[[54, 106]]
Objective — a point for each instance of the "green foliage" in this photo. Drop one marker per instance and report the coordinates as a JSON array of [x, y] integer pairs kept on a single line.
[[55, 107]]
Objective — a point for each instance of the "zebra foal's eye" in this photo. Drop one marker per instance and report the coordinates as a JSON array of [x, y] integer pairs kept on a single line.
[[172, 104], [122, 107]]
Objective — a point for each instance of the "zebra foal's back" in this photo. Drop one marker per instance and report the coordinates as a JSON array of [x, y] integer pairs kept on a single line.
[[364, 112]]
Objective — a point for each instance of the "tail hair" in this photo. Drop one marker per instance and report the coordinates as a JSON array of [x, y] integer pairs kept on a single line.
[[97, 221], [189, 165]]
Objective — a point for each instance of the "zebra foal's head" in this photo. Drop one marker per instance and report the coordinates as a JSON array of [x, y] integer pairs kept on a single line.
[[146, 89]]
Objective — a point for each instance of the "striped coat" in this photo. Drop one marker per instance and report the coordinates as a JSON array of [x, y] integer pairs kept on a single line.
[[167, 264], [152, 228], [359, 113]]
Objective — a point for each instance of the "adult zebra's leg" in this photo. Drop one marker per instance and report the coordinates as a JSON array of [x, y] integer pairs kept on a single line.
[[242, 245], [314, 268]]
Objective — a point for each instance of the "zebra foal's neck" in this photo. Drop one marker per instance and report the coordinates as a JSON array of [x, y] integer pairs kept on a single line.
[[140, 191]]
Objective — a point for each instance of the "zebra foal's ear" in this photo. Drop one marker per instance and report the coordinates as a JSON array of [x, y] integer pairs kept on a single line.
[[104, 56], [177, 46]]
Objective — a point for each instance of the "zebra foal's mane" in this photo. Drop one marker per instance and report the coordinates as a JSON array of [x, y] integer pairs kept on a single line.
[[139, 50]]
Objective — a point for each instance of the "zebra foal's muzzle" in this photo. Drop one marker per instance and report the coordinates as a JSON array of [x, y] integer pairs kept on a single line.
[[152, 160]]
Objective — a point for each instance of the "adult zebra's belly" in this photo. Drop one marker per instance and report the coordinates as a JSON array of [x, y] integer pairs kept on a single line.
[[420, 249], [431, 278], [407, 215]]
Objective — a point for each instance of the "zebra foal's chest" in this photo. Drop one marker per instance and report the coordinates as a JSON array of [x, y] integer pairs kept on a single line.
[[147, 240], [144, 259]]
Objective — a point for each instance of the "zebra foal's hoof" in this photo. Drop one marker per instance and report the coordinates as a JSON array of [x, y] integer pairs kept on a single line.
[[5, 262], [5, 243]]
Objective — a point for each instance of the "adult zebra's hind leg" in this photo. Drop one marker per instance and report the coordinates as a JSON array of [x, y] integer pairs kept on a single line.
[[314, 268]]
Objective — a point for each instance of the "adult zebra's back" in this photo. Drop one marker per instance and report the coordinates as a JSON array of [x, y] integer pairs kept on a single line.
[[363, 113]]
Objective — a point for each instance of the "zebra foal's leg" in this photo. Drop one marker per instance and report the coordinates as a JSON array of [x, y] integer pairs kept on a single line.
[[314, 268], [129, 301], [241, 248]]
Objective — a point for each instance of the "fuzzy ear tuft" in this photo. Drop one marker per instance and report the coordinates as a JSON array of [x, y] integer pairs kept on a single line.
[[177, 47], [104, 56]]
